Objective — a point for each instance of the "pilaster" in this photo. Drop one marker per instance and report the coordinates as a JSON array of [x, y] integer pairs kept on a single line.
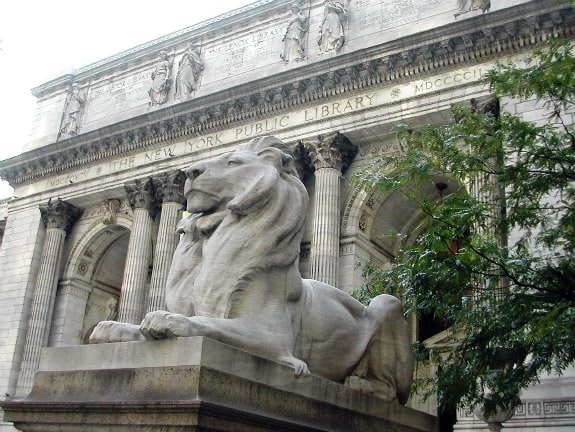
[[69, 311]]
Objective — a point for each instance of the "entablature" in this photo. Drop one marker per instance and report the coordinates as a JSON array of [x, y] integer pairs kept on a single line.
[[477, 40]]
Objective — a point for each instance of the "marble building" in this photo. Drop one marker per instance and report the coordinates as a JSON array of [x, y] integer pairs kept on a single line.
[[99, 185]]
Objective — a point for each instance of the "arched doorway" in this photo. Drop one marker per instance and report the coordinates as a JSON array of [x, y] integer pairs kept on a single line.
[[89, 290]]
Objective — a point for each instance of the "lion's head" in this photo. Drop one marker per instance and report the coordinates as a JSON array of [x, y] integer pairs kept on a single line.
[[248, 209]]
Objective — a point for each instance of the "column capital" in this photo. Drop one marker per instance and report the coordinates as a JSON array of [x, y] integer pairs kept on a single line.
[[142, 194], [60, 214], [171, 187], [330, 151], [302, 160]]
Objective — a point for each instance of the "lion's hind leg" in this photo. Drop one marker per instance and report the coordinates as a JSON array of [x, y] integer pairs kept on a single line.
[[386, 369]]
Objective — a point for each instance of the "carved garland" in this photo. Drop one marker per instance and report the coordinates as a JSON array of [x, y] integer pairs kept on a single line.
[[475, 46]]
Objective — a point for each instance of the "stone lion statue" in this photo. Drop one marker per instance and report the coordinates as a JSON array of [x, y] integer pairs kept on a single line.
[[235, 278]]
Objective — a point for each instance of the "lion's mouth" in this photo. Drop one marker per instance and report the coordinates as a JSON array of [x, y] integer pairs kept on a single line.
[[200, 201]]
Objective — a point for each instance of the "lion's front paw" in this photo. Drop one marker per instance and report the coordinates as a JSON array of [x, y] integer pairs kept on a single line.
[[113, 331], [162, 325]]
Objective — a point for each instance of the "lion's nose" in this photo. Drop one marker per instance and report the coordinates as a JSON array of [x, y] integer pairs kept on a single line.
[[195, 171]]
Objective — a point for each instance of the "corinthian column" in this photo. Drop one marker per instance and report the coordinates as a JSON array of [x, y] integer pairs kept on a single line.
[[59, 217], [142, 198], [171, 193], [330, 156]]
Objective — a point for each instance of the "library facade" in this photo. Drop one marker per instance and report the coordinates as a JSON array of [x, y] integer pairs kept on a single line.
[[90, 232]]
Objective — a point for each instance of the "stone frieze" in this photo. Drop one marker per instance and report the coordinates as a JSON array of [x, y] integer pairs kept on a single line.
[[474, 46]]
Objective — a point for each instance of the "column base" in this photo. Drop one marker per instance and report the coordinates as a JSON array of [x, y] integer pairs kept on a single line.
[[193, 384]]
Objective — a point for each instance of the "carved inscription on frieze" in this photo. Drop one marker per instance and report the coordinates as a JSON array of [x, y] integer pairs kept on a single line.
[[448, 80], [117, 95], [361, 102], [244, 54], [380, 15]]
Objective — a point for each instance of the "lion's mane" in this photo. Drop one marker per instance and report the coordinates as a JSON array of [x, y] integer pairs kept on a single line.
[[259, 230]]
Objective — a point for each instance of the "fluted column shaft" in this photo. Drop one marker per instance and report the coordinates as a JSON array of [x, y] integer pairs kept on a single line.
[[172, 196], [59, 217], [324, 251], [134, 285], [330, 156]]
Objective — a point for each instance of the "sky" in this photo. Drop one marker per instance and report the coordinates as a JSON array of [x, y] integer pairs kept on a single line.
[[43, 39]]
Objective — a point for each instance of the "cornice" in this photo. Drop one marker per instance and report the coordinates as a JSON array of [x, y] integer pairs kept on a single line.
[[445, 49]]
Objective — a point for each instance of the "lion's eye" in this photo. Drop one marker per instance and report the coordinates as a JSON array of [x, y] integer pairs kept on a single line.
[[233, 162]]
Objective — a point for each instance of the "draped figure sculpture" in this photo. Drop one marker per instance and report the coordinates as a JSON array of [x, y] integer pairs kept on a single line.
[[235, 278], [75, 105], [465, 6], [294, 38], [161, 80], [189, 69], [332, 32]]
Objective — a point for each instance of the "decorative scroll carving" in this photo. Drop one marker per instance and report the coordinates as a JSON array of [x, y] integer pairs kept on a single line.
[[112, 206], [465, 6], [161, 80], [142, 194], [331, 151], [332, 31], [295, 37], [60, 214], [190, 67], [73, 112]]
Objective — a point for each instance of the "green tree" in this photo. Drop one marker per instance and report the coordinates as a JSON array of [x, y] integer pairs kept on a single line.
[[496, 262]]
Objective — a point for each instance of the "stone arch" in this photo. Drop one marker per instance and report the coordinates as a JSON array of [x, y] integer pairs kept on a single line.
[[373, 215], [82, 299]]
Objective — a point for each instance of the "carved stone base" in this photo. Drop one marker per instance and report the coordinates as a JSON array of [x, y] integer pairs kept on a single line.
[[192, 384]]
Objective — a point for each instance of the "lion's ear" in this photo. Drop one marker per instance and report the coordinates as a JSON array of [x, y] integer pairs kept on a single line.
[[282, 161]]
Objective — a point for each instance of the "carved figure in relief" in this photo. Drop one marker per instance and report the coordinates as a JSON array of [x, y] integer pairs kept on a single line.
[[465, 6], [235, 278], [294, 39], [161, 80], [189, 70], [332, 32], [73, 112]]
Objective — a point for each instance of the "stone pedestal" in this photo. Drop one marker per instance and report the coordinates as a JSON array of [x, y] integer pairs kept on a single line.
[[192, 384]]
